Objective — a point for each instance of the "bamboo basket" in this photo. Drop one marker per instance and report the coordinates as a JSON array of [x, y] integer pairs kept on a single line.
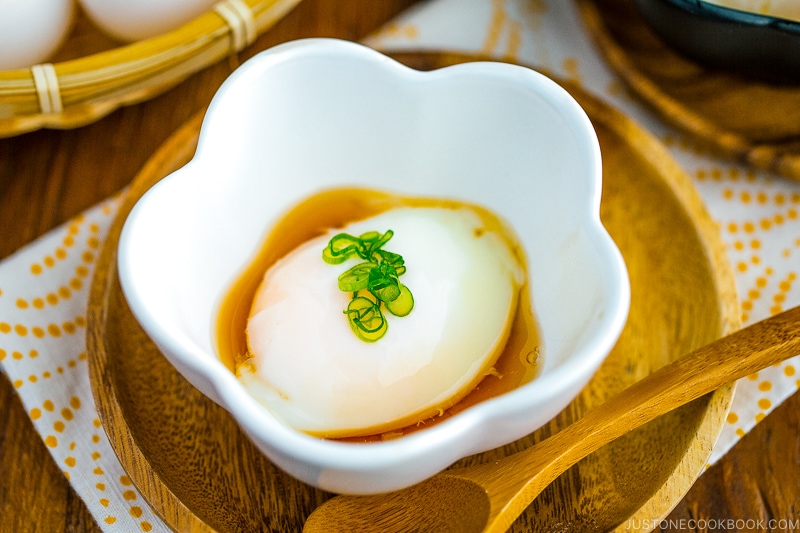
[[74, 92]]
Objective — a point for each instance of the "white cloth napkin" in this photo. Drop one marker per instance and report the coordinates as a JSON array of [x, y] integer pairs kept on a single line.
[[44, 286], [44, 290]]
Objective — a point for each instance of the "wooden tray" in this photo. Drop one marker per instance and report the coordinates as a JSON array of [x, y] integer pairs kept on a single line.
[[744, 119], [199, 472]]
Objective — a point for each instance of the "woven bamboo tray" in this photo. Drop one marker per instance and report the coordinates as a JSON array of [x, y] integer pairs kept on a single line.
[[92, 75]]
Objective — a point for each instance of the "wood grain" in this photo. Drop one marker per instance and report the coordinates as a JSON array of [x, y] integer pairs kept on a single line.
[[33, 490], [48, 176], [186, 455], [757, 481], [747, 120]]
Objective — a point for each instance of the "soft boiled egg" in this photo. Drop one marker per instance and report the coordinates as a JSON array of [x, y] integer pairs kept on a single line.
[[308, 367]]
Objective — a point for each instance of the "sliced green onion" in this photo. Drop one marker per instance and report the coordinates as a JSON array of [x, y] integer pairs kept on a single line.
[[383, 283], [403, 304], [383, 239], [378, 275], [366, 319], [370, 236], [386, 293], [340, 248], [390, 257], [357, 278]]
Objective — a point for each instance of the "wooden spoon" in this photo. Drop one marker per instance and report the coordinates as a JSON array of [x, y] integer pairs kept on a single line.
[[490, 497]]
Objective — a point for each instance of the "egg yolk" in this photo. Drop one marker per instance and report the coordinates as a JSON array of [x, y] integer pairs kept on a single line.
[[309, 369]]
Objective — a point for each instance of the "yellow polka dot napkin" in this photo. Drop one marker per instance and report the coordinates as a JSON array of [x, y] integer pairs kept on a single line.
[[43, 295], [44, 287], [757, 213]]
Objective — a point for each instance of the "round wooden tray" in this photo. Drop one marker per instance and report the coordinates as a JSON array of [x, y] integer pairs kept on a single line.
[[199, 472], [96, 75], [748, 120]]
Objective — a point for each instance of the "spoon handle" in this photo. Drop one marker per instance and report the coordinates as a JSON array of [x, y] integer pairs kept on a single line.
[[732, 357]]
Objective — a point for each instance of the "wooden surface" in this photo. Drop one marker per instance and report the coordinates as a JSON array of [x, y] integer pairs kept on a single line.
[[740, 117], [47, 177], [677, 276]]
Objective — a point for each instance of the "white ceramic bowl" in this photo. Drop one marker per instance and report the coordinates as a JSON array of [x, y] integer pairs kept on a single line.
[[319, 113]]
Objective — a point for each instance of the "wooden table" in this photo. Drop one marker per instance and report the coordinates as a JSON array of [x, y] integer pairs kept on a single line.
[[47, 177]]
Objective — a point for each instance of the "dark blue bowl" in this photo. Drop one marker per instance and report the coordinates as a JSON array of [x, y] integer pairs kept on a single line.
[[754, 45]]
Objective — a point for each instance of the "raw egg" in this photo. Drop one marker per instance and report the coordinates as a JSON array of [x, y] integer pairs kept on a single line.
[[32, 30], [141, 19], [306, 365]]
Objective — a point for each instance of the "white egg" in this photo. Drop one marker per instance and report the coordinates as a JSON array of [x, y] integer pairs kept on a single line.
[[32, 30], [310, 369], [133, 20]]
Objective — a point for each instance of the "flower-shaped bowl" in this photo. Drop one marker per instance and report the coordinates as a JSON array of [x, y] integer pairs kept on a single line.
[[316, 114]]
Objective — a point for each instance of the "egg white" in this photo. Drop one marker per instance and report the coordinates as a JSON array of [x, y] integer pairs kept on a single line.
[[311, 371]]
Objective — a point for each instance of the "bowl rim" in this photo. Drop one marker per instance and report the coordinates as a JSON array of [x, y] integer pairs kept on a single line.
[[730, 14], [437, 440]]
